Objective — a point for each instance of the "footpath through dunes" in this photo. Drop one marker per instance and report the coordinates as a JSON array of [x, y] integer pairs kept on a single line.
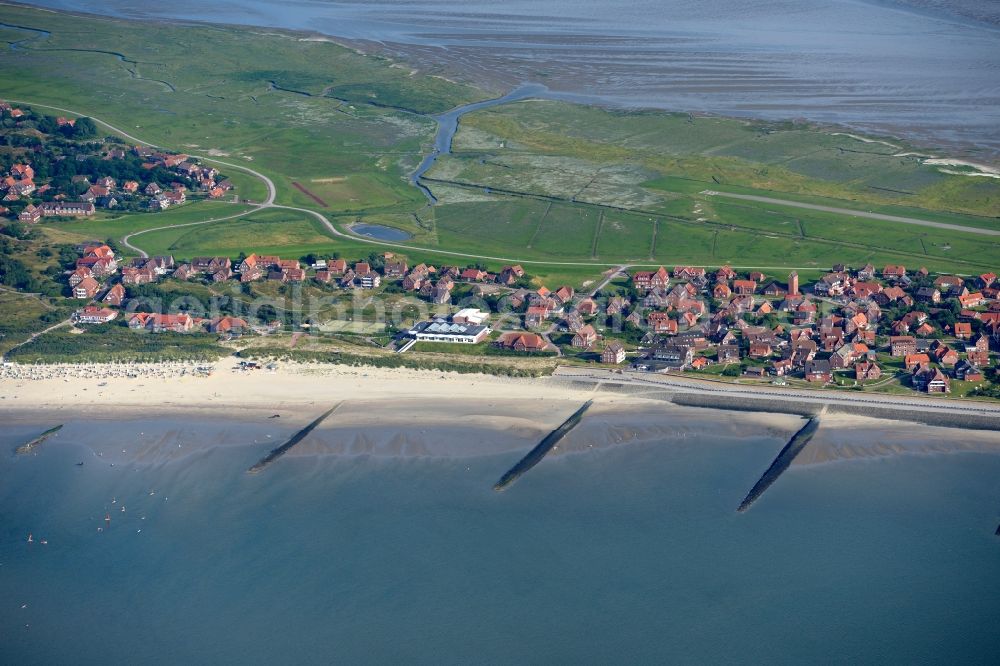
[[295, 439], [536, 454], [781, 463]]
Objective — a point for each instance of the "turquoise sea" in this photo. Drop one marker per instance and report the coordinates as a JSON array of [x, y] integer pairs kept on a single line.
[[631, 554]]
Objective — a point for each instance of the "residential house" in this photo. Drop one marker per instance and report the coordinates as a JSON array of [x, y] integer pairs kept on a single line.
[[928, 295], [818, 371], [689, 273], [31, 213], [652, 280], [832, 284], [893, 272], [971, 300], [86, 288], [93, 314], [522, 342], [159, 323], [79, 275], [945, 355], [949, 284], [227, 326], [968, 372], [473, 275], [867, 371], [901, 345], [673, 357], [913, 361], [536, 316], [721, 291], [613, 354], [135, 276], [115, 296], [585, 337], [587, 307], [510, 275], [727, 354], [661, 323], [932, 380], [744, 287], [563, 294], [616, 305], [395, 269], [67, 209]]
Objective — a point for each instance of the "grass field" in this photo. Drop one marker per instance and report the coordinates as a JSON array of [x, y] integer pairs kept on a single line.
[[568, 190]]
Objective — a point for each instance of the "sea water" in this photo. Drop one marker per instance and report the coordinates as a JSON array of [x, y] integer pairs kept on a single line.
[[925, 69], [630, 554]]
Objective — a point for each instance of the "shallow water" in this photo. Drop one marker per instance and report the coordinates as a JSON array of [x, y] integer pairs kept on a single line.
[[380, 232], [924, 68], [632, 553]]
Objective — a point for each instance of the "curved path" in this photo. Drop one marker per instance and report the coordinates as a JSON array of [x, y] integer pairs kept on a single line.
[[272, 193], [143, 253], [854, 213]]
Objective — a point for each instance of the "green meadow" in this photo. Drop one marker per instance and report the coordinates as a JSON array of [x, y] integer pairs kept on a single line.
[[569, 190]]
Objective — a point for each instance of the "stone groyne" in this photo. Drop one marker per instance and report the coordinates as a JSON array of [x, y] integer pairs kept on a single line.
[[781, 463], [536, 454], [30, 446], [295, 439]]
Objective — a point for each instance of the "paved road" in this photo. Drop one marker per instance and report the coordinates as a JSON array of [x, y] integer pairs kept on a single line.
[[856, 213], [143, 253], [271, 190], [272, 193], [655, 381]]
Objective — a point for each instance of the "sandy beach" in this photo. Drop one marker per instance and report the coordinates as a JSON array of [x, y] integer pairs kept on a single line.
[[162, 411]]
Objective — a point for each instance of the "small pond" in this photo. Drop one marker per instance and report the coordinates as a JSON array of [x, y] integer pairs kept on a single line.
[[379, 232]]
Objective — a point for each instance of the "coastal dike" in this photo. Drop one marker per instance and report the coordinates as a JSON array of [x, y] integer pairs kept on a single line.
[[36, 442], [782, 405], [536, 454], [781, 463], [295, 439]]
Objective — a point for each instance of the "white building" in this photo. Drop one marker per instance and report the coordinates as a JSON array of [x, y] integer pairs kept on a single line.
[[470, 316], [442, 330]]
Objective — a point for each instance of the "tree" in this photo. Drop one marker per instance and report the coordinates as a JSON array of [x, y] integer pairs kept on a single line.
[[14, 230], [84, 128]]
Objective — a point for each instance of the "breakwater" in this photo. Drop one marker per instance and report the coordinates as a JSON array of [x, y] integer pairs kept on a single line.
[[30, 446], [781, 463], [295, 439], [536, 454]]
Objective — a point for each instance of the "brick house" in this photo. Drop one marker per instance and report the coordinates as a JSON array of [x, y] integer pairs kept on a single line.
[[613, 354], [86, 288], [901, 345]]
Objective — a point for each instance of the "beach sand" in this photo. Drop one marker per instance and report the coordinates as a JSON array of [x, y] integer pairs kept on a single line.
[[163, 411]]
